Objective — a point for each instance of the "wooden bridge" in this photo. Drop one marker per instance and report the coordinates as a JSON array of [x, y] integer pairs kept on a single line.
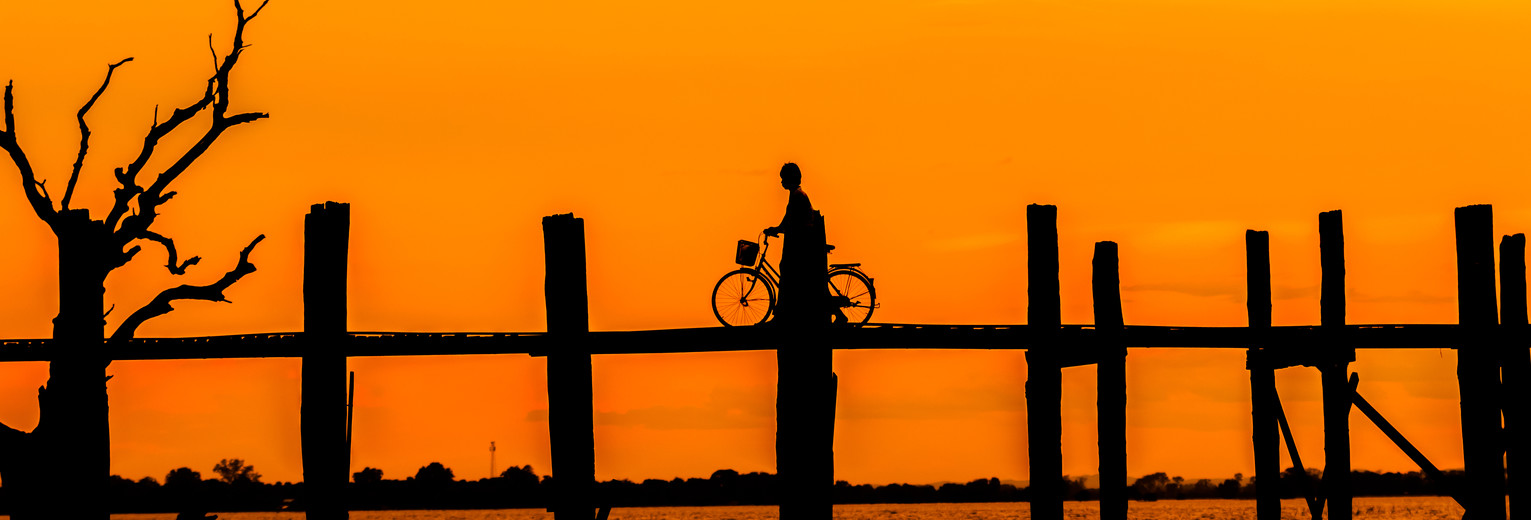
[[1493, 363]]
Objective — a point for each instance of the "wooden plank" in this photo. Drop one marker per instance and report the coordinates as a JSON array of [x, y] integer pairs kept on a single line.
[[1262, 378], [1044, 377], [571, 427], [1110, 383], [1516, 371], [1334, 366], [323, 422], [1477, 363]]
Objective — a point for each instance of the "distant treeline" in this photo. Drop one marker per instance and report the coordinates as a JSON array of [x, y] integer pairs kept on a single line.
[[1293, 484], [238, 488]]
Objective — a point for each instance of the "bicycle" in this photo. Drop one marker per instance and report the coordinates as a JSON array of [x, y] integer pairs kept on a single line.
[[746, 296]]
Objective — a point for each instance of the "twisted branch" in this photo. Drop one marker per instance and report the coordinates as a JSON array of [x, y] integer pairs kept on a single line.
[[79, 160], [160, 305], [216, 95], [41, 204], [170, 250]]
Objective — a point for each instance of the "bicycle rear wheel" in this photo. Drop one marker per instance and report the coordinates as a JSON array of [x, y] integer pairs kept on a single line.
[[743, 297], [861, 298]]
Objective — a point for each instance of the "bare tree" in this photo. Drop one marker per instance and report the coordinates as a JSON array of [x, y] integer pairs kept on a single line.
[[61, 467]]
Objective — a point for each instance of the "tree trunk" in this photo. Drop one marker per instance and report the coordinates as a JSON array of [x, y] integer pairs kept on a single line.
[[63, 465]]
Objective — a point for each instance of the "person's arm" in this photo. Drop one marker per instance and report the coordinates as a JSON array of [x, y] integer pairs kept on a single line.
[[776, 229]]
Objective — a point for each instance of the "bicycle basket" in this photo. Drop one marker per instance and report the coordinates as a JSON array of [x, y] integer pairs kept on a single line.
[[747, 253]]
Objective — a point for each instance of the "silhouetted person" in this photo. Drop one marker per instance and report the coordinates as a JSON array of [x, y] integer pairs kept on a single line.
[[802, 269]]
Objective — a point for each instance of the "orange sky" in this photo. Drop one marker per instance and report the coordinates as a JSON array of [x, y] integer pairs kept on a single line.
[[923, 128]]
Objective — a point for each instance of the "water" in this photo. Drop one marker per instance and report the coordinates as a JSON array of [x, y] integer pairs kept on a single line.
[[1366, 508]]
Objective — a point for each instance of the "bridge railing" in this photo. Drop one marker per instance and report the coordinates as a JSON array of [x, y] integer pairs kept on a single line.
[[1493, 363]]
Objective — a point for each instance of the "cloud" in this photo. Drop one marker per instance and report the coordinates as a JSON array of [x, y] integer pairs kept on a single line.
[[1190, 287], [1412, 296], [707, 417], [1293, 292]]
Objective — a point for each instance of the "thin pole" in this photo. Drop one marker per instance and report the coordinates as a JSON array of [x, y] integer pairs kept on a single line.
[[1315, 504], [1517, 368], [350, 413]]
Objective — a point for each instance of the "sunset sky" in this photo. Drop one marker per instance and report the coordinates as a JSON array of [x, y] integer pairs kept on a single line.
[[923, 129]]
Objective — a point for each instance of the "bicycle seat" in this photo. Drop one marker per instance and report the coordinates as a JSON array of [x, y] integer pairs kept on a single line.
[[837, 266]]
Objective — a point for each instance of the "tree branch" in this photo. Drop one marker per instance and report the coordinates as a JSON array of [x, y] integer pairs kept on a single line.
[[41, 204], [123, 258], [170, 250], [79, 161], [216, 95], [160, 305]]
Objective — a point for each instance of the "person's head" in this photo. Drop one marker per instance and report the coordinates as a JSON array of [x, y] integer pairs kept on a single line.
[[791, 177]]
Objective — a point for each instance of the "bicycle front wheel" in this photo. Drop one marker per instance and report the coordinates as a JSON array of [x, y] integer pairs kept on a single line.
[[743, 297], [860, 298]]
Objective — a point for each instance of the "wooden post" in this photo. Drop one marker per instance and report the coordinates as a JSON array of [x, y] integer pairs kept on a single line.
[[1044, 374], [1262, 378], [1517, 369], [806, 389], [327, 231], [1477, 364], [571, 426], [1110, 383], [1333, 365]]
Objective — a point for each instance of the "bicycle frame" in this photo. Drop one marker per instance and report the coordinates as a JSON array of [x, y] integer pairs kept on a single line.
[[773, 277], [764, 267]]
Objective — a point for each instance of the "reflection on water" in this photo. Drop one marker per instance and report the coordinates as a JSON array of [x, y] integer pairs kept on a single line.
[[1366, 508]]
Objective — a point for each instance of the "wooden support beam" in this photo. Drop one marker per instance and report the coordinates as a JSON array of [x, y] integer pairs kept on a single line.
[[571, 427], [806, 385], [1315, 504], [1334, 366], [1429, 469], [1262, 378], [1477, 363], [1516, 371], [1110, 383], [327, 231], [1044, 377]]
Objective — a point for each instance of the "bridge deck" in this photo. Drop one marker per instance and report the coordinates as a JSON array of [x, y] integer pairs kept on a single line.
[[722, 339]]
